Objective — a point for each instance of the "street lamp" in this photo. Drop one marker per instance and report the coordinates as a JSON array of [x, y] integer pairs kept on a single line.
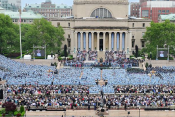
[[150, 57], [139, 111]]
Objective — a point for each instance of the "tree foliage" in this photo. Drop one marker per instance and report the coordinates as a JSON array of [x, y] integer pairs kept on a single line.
[[41, 33], [8, 34], [159, 34]]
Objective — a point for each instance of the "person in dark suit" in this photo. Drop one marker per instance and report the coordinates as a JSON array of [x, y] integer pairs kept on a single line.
[[125, 107]]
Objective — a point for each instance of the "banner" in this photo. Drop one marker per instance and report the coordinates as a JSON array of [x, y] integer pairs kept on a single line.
[[163, 53], [39, 53]]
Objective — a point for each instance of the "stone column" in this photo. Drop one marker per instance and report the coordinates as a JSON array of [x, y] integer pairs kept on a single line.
[[98, 36], [126, 41], [92, 48], [104, 41], [120, 41], [109, 41], [72, 42], [115, 41], [75, 34], [87, 41], [130, 42], [81, 41]]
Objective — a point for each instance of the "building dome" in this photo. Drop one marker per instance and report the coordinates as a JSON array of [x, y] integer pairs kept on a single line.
[[48, 0]]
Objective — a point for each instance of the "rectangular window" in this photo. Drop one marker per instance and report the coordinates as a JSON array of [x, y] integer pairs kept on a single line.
[[167, 11], [133, 43], [58, 24], [159, 11], [143, 44], [68, 36], [143, 34], [143, 24], [145, 13], [69, 24], [163, 11], [132, 24]]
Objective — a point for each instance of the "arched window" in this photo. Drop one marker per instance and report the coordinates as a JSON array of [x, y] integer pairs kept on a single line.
[[101, 13]]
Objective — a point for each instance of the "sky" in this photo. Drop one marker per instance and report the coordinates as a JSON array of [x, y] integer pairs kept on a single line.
[[68, 2]]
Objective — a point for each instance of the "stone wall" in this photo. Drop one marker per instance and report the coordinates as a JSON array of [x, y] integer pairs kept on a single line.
[[37, 61], [160, 63]]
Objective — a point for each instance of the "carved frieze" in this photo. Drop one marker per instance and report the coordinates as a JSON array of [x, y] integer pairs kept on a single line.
[[124, 2]]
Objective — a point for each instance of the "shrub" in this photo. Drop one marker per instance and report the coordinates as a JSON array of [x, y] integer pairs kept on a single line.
[[59, 58], [9, 107], [18, 115], [22, 109], [146, 65], [23, 113], [2, 111], [55, 64], [16, 112]]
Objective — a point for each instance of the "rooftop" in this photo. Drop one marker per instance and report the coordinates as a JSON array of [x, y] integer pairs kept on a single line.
[[24, 15], [160, 4], [167, 17], [60, 6]]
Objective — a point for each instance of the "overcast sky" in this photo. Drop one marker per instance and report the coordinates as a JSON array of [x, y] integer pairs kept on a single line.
[[68, 2]]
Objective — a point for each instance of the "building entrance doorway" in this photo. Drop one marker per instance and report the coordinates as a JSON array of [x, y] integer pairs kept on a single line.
[[101, 44]]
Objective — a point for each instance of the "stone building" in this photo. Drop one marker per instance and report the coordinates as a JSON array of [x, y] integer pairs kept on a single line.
[[50, 10], [13, 5], [102, 25]]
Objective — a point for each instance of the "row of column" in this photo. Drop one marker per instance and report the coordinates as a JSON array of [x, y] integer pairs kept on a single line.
[[85, 41]]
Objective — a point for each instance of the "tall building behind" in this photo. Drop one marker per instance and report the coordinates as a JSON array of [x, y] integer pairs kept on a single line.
[[50, 10], [152, 9], [13, 5], [135, 9]]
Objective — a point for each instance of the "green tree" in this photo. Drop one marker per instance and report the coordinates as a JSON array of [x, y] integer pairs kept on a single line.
[[27, 42], [9, 34], [42, 32], [159, 34]]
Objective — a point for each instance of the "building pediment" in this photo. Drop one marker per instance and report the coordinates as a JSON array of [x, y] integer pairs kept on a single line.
[[125, 2]]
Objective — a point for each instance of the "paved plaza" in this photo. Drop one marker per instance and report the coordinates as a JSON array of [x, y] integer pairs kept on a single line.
[[112, 113]]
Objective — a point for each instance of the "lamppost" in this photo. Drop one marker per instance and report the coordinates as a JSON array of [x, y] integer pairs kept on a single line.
[[139, 111], [150, 57]]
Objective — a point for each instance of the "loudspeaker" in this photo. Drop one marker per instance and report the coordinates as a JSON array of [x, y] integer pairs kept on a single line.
[[128, 112], [1, 94], [102, 110]]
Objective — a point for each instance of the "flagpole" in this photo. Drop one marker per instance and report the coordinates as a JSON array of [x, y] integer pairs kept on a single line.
[[20, 32]]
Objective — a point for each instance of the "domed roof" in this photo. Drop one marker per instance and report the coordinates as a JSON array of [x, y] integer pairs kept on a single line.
[[48, 0]]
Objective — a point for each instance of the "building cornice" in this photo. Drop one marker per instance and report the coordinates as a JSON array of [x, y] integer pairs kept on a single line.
[[101, 27], [79, 2], [97, 19]]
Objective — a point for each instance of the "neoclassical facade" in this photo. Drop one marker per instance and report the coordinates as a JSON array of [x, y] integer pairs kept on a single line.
[[102, 25]]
